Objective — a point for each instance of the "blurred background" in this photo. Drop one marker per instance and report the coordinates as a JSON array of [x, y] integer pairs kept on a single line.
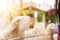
[[39, 10]]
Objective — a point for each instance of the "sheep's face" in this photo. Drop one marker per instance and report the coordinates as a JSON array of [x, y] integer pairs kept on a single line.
[[26, 22], [30, 22]]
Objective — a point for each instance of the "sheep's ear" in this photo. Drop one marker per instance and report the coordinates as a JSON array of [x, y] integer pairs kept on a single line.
[[15, 21]]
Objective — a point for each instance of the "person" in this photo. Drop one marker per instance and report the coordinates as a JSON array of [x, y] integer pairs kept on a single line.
[[59, 31]]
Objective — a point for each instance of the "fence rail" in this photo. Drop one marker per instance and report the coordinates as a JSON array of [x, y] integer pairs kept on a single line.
[[35, 37]]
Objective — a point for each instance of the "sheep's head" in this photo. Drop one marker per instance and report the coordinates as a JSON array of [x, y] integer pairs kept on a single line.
[[20, 23], [23, 22]]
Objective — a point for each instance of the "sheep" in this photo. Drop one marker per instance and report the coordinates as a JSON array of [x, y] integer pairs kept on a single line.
[[16, 27], [21, 23], [37, 30], [41, 32]]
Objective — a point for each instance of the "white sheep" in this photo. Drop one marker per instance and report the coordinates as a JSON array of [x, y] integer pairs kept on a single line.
[[39, 29], [21, 23], [17, 26]]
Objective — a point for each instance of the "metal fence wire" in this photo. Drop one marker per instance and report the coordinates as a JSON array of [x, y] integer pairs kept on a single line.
[[35, 37]]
